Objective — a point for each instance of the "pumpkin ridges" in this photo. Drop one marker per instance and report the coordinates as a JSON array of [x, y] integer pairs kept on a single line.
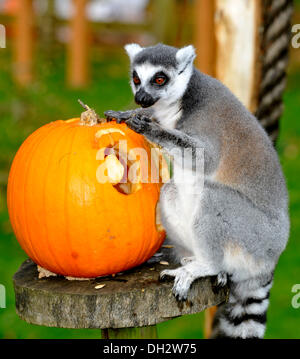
[[150, 223], [142, 204], [49, 244], [10, 203], [85, 214], [66, 200], [89, 237], [39, 232], [27, 236], [139, 210], [62, 224], [130, 143], [102, 197], [71, 242]]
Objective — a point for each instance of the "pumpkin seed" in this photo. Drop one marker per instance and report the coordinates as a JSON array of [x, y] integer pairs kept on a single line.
[[99, 286], [164, 263]]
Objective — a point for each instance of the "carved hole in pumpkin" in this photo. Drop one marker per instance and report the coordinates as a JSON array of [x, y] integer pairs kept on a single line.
[[118, 175]]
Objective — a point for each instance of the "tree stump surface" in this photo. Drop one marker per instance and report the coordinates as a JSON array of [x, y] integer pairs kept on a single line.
[[135, 298]]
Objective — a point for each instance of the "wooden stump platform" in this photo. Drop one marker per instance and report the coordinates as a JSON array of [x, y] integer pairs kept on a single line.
[[128, 306]]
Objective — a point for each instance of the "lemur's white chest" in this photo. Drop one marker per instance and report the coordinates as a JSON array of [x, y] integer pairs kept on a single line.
[[167, 114], [188, 192], [181, 205]]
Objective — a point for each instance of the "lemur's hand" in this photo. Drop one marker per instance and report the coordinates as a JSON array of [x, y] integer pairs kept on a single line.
[[118, 116], [140, 124]]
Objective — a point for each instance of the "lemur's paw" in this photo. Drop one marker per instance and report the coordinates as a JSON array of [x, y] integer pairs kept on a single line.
[[163, 276], [118, 116], [222, 279], [182, 282], [139, 123]]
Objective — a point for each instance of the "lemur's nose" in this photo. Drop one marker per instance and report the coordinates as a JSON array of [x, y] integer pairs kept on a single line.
[[143, 99]]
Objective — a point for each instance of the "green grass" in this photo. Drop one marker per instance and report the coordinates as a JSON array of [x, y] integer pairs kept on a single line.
[[48, 99]]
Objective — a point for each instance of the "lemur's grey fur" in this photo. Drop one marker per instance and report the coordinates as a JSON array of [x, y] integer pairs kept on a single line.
[[238, 225]]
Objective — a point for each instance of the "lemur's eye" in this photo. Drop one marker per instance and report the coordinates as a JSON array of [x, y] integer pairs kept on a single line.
[[136, 80], [160, 80]]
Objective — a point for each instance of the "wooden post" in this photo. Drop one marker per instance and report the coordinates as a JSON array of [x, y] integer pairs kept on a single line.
[[23, 50], [237, 35], [78, 46], [47, 23], [209, 315], [228, 42], [205, 41], [245, 44]]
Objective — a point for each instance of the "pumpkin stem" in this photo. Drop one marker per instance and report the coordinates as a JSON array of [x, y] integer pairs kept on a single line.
[[89, 117]]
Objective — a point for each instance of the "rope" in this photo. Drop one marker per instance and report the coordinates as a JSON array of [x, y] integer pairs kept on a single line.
[[275, 39]]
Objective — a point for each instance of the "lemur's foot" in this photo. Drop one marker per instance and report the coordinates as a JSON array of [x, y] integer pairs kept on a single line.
[[139, 123], [222, 279], [182, 282], [118, 116]]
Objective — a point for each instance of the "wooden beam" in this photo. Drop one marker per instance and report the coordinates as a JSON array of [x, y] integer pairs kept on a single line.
[[237, 36], [78, 46], [209, 315], [23, 38], [205, 41]]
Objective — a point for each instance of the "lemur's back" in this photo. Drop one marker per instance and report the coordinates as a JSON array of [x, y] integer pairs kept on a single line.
[[248, 161]]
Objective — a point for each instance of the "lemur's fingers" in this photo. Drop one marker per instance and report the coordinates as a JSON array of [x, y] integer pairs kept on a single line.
[[182, 281], [110, 115], [182, 284], [143, 118], [139, 123], [222, 279], [134, 125], [118, 116], [167, 273]]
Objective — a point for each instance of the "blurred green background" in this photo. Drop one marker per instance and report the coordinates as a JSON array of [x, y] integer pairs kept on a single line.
[[48, 98]]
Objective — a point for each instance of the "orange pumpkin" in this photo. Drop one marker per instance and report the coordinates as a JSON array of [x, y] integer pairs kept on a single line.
[[65, 219]]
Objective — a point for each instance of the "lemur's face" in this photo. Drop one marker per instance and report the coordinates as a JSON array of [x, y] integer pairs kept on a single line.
[[160, 73]]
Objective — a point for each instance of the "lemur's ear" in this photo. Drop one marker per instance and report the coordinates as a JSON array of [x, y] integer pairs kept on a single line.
[[185, 56], [132, 50]]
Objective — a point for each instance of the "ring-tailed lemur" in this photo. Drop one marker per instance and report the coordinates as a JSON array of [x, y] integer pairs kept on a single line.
[[239, 225]]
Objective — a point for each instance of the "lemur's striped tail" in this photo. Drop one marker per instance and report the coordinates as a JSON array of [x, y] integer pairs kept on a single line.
[[244, 316]]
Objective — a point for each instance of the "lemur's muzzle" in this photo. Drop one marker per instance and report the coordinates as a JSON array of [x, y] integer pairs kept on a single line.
[[143, 99]]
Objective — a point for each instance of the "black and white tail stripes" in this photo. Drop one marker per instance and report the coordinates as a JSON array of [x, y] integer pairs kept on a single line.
[[244, 316]]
